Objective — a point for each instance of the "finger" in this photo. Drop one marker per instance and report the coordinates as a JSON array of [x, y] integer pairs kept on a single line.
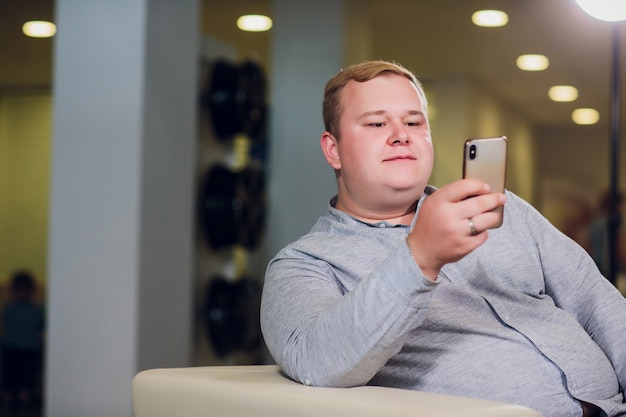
[[463, 189], [484, 221], [472, 227], [476, 205]]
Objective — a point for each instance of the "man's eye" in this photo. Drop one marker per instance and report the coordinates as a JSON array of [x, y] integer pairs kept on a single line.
[[381, 124]]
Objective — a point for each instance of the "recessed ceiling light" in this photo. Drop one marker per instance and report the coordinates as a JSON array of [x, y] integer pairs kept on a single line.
[[39, 29], [563, 93], [609, 10], [490, 18], [585, 116], [532, 62], [254, 23]]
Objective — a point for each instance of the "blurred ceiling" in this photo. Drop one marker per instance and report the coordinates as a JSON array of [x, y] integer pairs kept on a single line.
[[433, 38], [436, 38], [24, 62]]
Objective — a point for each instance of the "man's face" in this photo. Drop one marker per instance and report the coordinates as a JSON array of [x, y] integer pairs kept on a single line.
[[384, 153]]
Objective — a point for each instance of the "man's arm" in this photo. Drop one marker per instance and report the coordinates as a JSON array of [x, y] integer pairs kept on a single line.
[[320, 336]]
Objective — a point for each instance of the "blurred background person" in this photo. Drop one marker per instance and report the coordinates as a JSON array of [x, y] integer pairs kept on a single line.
[[22, 342], [597, 239]]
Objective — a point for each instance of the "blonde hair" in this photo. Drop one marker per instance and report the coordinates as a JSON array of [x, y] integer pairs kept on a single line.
[[331, 107]]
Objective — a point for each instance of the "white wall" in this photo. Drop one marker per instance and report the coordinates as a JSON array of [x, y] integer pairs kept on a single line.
[[25, 121], [461, 110], [575, 168]]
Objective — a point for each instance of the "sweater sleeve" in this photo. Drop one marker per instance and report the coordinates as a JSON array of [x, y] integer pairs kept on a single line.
[[320, 334]]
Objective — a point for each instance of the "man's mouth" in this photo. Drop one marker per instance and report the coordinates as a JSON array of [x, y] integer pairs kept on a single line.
[[400, 158]]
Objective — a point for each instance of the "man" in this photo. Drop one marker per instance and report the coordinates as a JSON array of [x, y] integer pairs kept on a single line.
[[402, 285]]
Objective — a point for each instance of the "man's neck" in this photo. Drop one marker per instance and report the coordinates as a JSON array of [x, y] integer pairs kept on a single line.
[[402, 216]]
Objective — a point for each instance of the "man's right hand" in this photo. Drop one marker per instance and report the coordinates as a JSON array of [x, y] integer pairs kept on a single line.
[[443, 230]]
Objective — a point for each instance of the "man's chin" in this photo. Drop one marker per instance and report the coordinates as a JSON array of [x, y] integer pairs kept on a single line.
[[411, 190]]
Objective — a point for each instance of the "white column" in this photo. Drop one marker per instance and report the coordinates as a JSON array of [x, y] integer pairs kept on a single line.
[[121, 225], [307, 49]]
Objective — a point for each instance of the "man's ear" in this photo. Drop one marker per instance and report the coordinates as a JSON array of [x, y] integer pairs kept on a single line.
[[330, 147]]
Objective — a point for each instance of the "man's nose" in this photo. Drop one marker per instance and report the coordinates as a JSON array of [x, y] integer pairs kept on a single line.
[[399, 135]]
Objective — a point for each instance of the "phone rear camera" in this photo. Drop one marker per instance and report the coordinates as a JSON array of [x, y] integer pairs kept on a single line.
[[472, 152]]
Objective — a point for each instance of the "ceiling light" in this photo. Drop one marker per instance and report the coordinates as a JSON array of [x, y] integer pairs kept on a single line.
[[254, 23], [39, 29], [490, 18], [585, 116], [609, 10], [563, 93], [532, 62]]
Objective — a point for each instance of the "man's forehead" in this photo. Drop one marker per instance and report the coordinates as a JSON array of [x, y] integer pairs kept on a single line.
[[360, 93], [358, 86]]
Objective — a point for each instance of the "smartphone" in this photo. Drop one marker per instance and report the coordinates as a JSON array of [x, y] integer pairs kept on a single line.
[[485, 159]]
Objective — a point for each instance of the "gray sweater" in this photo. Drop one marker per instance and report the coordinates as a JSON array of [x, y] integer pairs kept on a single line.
[[526, 318]]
